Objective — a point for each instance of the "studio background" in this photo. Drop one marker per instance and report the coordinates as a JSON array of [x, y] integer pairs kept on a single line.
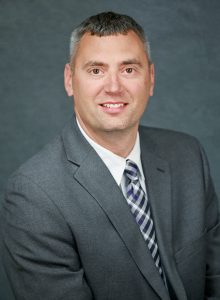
[[34, 45]]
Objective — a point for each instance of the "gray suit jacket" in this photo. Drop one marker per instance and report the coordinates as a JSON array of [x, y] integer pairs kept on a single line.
[[68, 232]]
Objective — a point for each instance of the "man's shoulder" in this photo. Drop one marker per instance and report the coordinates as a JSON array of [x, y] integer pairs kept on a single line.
[[166, 142], [160, 134], [44, 163]]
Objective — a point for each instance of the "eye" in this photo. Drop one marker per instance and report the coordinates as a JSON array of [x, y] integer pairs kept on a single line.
[[95, 71], [129, 70]]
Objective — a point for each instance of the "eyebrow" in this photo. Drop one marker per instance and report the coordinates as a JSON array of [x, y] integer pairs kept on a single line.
[[133, 61], [93, 63]]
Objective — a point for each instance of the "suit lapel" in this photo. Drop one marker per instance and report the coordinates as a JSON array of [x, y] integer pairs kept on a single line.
[[98, 181], [158, 183]]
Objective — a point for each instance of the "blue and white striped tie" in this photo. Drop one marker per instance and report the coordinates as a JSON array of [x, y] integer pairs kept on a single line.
[[140, 208]]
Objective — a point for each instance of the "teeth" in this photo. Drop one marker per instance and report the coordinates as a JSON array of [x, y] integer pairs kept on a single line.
[[113, 105]]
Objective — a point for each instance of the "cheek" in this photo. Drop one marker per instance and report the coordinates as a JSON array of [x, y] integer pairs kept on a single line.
[[141, 94], [78, 85], [85, 88], [139, 90]]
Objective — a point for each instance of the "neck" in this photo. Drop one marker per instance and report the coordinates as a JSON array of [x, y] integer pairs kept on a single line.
[[120, 142]]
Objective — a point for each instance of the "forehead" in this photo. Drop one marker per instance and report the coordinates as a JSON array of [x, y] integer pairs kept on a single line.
[[108, 47]]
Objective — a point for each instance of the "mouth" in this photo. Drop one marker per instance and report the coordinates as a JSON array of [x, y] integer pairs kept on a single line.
[[113, 107]]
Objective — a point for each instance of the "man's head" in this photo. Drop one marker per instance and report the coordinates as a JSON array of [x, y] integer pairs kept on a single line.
[[106, 24], [110, 75]]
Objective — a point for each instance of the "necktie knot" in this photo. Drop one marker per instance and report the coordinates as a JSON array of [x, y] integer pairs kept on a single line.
[[131, 170]]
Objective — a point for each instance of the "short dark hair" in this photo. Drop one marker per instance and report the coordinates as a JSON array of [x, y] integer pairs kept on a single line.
[[105, 24]]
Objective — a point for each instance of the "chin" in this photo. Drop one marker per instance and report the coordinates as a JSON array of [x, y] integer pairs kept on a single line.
[[117, 127]]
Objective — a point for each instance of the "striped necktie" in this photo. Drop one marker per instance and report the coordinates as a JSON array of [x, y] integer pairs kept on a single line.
[[140, 208]]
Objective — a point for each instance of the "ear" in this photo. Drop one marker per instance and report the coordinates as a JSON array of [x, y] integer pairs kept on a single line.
[[152, 80], [68, 80]]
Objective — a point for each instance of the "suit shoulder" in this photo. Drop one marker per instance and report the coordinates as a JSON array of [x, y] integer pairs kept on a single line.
[[166, 141], [43, 163], [167, 134]]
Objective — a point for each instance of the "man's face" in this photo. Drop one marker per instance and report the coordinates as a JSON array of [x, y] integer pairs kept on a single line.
[[111, 81]]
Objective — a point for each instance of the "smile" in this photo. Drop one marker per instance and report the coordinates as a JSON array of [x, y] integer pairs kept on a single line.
[[113, 105]]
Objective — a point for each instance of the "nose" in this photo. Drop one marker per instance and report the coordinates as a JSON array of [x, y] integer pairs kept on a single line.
[[113, 84]]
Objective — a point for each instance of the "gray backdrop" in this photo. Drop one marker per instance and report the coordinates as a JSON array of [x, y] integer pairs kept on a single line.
[[34, 37]]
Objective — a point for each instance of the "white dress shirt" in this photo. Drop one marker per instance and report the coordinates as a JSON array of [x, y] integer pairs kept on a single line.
[[115, 163]]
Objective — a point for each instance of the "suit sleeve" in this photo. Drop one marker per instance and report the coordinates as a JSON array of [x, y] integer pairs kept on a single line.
[[39, 252], [212, 287]]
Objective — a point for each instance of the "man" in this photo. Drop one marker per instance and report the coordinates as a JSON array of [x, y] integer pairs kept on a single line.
[[110, 209]]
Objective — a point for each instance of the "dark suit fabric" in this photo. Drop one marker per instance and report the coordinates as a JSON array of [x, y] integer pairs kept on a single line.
[[68, 232]]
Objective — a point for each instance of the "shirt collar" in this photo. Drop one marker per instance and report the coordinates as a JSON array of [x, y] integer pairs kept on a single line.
[[115, 163]]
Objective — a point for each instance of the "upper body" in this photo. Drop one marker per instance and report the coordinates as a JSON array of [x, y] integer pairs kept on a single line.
[[68, 232]]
